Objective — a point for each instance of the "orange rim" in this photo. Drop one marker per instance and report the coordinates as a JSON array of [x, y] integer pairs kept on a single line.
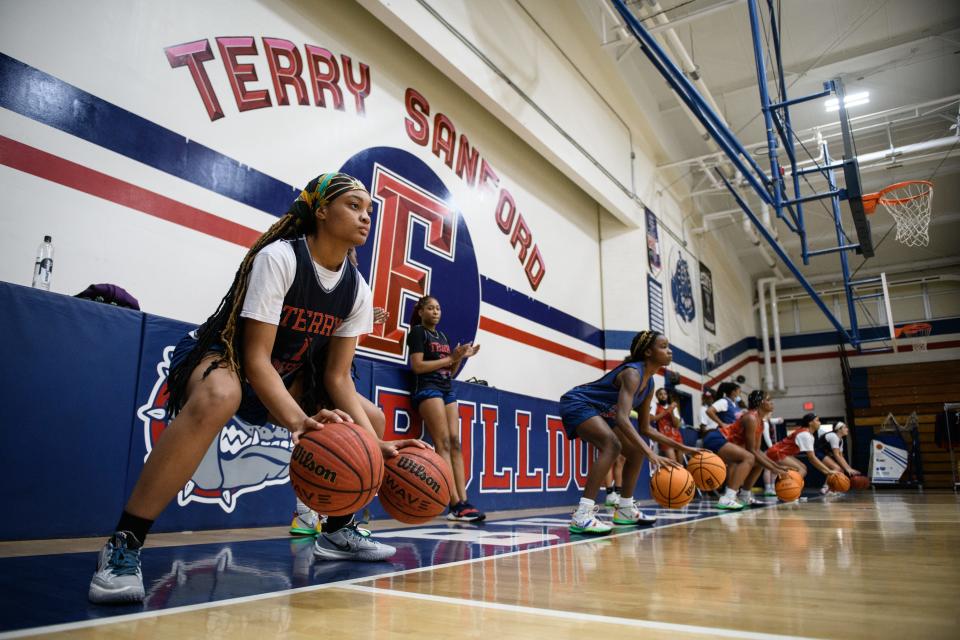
[[914, 329], [871, 200]]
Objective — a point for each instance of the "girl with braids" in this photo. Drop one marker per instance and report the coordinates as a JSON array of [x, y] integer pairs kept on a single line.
[[278, 348], [434, 364], [738, 444], [599, 413]]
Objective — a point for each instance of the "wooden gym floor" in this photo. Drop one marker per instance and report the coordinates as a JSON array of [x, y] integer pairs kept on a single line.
[[866, 565]]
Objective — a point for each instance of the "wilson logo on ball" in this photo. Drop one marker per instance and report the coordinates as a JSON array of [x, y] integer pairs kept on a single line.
[[305, 458], [419, 471]]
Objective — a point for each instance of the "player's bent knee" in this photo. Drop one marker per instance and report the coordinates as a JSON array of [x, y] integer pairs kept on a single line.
[[215, 401]]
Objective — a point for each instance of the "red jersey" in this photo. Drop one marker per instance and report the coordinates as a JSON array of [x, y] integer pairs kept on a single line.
[[734, 433], [788, 446], [666, 427]]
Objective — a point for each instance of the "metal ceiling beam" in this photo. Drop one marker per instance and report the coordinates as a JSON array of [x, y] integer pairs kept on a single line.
[[695, 15], [850, 57]]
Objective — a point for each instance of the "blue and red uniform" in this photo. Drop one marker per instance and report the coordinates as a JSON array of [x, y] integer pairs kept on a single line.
[[599, 398]]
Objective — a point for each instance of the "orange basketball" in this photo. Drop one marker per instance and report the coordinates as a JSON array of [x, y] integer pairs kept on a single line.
[[860, 482], [708, 470], [672, 487], [790, 488], [417, 485], [336, 470], [839, 482]]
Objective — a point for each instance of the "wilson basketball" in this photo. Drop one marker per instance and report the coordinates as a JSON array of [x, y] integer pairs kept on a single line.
[[860, 482], [839, 482], [417, 485], [708, 470], [672, 487], [790, 488], [336, 470]]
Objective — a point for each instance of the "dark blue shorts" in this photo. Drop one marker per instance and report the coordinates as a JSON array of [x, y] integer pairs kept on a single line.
[[714, 440], [251, 409], [448, 396], [574, 413]]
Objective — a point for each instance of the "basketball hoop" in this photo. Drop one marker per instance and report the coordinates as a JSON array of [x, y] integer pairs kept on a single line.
[[909, 203], [919, 331]]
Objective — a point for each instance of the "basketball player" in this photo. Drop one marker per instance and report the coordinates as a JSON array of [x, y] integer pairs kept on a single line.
[[739, 446], [801, 445], [830, 446], [665, 417], [724, 411], [769, 430], [434, 364], [279, 349], [599, 413]]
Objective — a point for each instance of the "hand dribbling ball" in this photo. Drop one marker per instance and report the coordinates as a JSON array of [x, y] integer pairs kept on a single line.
[[672, 487]]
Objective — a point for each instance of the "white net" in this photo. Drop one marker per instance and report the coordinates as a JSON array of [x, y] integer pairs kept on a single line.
[[909, 203], [919, 334]]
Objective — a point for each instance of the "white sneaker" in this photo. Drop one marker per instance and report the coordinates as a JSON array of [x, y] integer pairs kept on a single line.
[[729, 504], [613, 499], [747, 500], [349, 544], [118, 578], [631, 516], [586, 521]]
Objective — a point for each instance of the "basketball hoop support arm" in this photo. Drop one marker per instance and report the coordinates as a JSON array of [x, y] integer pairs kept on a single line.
[[769, 188]]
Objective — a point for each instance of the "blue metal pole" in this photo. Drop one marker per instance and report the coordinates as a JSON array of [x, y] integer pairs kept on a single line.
[[775, 175], [841, 236], [675, 76], [791, 151], [786, 260]]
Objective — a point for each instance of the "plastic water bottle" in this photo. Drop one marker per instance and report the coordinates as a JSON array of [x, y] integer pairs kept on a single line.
[[43, 268]]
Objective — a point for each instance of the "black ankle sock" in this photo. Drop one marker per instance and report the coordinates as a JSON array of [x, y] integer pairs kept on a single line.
[[610, 489], [335, 523], [618, 490], [136, 525]]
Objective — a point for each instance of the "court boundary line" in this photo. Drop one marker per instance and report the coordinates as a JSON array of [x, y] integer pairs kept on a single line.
[[130, 617], [575, 615]]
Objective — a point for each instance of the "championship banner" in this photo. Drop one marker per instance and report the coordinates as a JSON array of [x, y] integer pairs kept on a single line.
[[887, 463], [653, 243], [706, 298]]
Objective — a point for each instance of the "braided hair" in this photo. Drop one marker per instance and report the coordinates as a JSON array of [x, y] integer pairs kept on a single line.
[[421, 303], [756, 398], [640, 343], [222, 329]]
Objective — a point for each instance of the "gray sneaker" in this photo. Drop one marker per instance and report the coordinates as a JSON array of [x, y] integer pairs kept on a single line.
[[118, 579], [350, 544]]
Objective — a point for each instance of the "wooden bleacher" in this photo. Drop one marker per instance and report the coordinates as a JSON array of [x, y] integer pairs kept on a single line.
[[902, 389]]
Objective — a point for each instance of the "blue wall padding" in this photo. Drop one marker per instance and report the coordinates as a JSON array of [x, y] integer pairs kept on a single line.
[[79, 406]]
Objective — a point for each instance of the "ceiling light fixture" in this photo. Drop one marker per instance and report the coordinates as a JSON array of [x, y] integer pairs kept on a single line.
[[851, 100]]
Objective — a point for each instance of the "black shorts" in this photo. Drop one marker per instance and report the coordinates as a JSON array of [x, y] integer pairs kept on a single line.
[[251, 410]]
